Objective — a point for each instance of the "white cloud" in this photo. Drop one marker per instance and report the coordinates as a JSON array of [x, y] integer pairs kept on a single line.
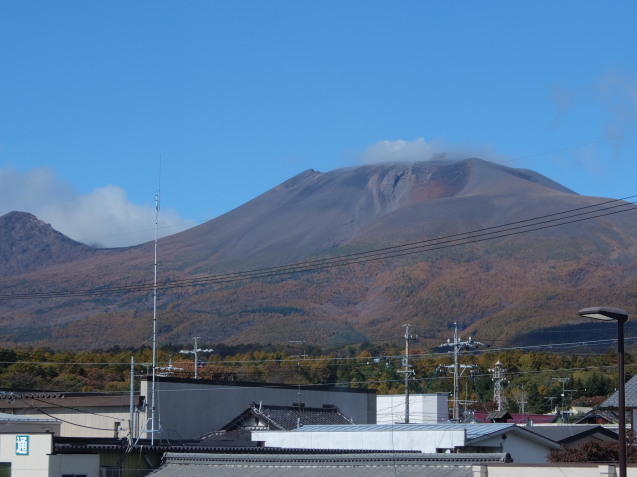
[[104, 217], [421, 150], [401, 151]]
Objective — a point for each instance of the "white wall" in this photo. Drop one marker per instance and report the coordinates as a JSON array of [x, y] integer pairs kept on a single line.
[[36, 463], [423, 408], [423, 441], [555, 470]]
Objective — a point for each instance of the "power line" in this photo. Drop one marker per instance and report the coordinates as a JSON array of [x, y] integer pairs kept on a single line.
[[570, 216]]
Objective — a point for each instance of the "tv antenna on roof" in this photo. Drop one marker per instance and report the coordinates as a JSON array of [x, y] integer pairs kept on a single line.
[[196, 350]]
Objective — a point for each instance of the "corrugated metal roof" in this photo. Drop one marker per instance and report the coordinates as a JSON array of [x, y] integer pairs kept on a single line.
[[472, 430]]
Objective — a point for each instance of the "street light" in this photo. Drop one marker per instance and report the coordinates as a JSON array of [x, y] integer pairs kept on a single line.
[[605, 313]]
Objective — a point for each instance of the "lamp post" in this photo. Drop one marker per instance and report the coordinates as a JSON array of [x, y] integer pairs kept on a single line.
[[605, 313]]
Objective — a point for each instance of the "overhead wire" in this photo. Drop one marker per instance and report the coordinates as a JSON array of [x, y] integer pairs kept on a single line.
[[465, 238]]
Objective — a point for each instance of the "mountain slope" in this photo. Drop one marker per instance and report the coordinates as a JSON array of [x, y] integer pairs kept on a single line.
[[500, 285], [28, 245]]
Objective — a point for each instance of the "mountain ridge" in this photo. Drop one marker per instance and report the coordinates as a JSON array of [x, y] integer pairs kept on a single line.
[[481, 283]]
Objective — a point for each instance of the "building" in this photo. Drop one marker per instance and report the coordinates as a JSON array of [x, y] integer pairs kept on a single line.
[[574, 435], [260, 416], [78, 414], [326, 464], [423, 408], [191, 408], [523, 445], [27, 450], [185, 408]]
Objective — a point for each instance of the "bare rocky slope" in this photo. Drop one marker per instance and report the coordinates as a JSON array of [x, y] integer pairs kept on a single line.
[[504, 252]]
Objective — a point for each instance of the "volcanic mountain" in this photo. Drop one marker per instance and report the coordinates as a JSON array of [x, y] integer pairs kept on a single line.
[[330, 258]]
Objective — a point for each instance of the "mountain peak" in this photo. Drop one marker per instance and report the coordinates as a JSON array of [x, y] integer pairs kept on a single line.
[[29, 244]]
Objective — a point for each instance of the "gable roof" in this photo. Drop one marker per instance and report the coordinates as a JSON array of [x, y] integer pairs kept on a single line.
[[630, 391], [573, 432], [608, 416], [287, 417], [514, 417]]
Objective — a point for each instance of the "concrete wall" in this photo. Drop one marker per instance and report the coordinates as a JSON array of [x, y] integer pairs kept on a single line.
[[552, 470], [189, 408], [423, 408]]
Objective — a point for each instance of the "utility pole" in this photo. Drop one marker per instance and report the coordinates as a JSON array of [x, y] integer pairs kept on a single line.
[[522, 402], [131, 410], [498, 384], [407, 369], [457, 346], [196, 352], [563, 381], [551, 399]]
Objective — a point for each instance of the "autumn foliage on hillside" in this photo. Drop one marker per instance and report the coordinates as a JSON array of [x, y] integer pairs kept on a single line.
[[532, 378]]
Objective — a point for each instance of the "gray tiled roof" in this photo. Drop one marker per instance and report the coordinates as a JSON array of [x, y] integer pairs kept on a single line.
[[285, 417], [569, 432], [630, 391], [342, 465]]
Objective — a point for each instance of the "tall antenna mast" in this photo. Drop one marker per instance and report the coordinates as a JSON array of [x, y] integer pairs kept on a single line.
[[498, 385], [153, 391]]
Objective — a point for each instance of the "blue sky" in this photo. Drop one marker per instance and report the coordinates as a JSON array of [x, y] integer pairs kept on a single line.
[[238, 96]]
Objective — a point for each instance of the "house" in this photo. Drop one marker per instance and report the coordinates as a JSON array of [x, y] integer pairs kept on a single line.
[[78, 414], [574, 435], [185, 408], [607, 413], [26, 450], [513, 417], [260, 416], [190, 408], [523, 446]]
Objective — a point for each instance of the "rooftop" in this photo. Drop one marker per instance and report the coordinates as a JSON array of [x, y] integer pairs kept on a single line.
[[310, 465]]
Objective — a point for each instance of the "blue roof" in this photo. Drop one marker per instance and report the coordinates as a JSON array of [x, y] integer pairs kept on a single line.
[[473, 430]]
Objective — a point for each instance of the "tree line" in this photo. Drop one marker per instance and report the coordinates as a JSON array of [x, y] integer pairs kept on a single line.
[[535, 381]]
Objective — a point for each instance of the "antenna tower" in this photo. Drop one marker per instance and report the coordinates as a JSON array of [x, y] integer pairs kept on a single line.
[[499, 382], [153, 387]]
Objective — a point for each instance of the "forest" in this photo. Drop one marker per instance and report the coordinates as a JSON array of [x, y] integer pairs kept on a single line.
[[534, 381]]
